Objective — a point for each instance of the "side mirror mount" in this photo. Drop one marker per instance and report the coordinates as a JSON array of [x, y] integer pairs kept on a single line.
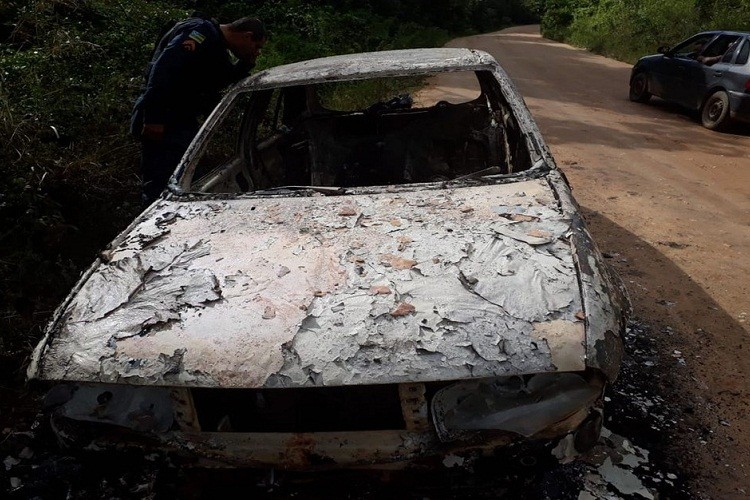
[[663, 49]]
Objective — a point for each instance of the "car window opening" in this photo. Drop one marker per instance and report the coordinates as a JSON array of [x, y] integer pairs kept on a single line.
[[721, 47], [743, 54], [332, 135]]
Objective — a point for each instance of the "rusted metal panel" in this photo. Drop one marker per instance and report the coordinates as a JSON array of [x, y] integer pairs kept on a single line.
[[472, 418], [330, 450], [414, 406], [184, 409], [292, 292], [321, 450]]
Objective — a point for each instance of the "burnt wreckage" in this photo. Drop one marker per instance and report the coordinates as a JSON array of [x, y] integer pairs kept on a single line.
[[327, 288]]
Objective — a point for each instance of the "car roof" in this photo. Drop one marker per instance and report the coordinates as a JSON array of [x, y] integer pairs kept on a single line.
[[738, 33], [371, 64]]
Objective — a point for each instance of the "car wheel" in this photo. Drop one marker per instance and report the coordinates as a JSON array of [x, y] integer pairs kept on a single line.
[[715, 112], [639, 88]]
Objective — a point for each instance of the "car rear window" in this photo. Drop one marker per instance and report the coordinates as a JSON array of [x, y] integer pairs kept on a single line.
[[721, 46]]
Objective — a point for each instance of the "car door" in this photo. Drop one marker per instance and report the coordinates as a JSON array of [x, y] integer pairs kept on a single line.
[[688, 82], [669, 72]]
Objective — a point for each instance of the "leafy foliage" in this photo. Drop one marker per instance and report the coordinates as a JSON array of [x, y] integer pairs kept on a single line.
[[629, 29], [66, 81]]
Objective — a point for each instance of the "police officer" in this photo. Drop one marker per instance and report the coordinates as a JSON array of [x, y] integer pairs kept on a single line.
[[190, 66]]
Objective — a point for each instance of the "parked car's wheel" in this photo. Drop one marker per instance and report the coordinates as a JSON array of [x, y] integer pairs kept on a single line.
[[715, 112], [639, 88]]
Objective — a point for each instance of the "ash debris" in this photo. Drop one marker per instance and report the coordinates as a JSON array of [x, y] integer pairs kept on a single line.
[[632, 459]]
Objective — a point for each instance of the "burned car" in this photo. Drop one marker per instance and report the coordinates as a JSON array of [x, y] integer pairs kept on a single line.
[[326, 287]]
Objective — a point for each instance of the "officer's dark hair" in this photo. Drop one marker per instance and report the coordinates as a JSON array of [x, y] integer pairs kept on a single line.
[[251, 24]]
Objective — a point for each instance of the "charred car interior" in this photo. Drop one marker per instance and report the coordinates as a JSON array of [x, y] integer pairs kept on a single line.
[[288, 137], [447, 300]]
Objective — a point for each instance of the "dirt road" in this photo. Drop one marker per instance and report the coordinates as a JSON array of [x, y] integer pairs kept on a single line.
[[670, 202]]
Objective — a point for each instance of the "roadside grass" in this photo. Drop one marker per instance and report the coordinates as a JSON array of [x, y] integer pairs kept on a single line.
[[68, 72]]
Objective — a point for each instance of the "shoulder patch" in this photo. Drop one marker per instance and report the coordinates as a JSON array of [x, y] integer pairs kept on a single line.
[[189, 45], [197, 36]]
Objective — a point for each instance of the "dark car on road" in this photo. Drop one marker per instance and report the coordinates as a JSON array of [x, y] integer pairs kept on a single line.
[[708, 72]]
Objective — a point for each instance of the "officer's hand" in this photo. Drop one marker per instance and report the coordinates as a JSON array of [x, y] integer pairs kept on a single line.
[[153, 131]]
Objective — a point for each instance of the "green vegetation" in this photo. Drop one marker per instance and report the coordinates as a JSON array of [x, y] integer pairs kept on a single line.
[[351, 96], [69, 73], [629, 29]]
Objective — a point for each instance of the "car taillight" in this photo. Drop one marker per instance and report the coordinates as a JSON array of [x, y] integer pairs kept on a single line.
[[747, 86]]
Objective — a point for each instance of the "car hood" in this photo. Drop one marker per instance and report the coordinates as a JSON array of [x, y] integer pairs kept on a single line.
[[390, 287]]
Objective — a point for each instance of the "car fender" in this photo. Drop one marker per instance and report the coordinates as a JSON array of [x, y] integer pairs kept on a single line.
[[605, 299]]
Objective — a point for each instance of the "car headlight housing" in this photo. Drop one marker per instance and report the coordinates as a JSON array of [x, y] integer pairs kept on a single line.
[[525, 405]]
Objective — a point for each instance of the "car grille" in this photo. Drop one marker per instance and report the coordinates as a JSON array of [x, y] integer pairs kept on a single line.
[[320, 409]]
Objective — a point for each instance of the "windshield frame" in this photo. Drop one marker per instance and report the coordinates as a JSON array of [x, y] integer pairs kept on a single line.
[[539, 153]]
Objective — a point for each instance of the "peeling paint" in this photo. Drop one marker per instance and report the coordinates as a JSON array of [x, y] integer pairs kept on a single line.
[[605, 300], [266, 297]]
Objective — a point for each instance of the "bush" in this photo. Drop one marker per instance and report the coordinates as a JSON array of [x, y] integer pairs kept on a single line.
[[629, 29], [69, 70]]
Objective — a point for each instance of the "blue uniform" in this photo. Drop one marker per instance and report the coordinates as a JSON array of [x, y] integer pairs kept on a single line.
[[190, 67]]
